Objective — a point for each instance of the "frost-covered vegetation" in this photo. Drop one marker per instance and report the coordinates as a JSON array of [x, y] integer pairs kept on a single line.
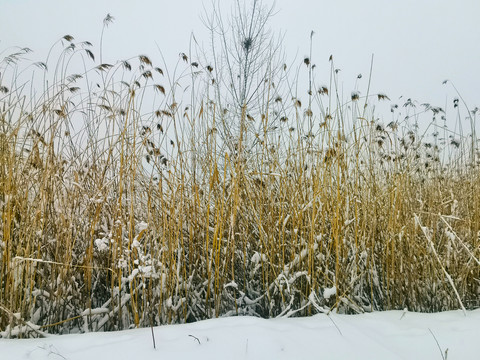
[[133, 196]]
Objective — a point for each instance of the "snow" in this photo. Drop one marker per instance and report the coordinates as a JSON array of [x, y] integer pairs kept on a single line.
[[101, 244], [328, 292], [142, 226], [378, 335]]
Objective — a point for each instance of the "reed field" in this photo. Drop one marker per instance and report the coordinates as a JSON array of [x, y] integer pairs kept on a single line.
[[133, 196]]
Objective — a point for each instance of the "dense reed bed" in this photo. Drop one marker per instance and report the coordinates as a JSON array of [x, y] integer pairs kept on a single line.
[[129, 201]]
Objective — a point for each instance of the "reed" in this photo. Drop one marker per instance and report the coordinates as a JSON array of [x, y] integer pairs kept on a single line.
[[123, 205]]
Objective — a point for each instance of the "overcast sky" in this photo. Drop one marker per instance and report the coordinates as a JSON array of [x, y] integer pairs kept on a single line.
[[416, 43]]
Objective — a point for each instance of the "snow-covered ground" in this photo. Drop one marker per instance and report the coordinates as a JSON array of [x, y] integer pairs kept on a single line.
[[380, 335]]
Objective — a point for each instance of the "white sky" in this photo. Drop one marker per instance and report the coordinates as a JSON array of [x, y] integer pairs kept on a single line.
[[417, 43]]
